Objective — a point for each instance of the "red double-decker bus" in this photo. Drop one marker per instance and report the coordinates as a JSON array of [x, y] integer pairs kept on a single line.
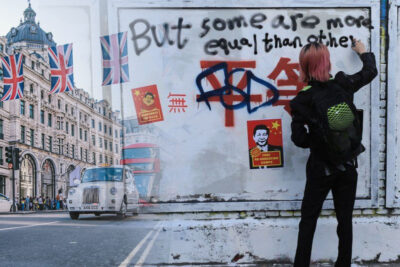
[[144, 160]]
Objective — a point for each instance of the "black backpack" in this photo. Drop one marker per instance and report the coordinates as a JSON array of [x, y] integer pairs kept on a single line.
[[337, 123]]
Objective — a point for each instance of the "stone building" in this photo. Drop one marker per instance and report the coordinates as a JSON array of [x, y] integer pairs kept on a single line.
[[55, 132]]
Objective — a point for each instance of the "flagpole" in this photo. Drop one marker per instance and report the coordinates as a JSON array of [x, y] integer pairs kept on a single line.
[[122, 97]]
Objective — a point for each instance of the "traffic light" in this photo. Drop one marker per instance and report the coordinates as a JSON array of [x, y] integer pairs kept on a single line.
[[17, 158], [9, 154]]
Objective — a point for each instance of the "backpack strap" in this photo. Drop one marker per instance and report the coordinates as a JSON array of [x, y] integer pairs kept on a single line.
[[305, 88]]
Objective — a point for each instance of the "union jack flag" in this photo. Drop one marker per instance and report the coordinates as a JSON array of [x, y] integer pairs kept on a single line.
[[115, 58], [61, 68], [12, 77]]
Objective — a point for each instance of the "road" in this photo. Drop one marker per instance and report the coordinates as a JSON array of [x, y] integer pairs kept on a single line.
[[56, 240]]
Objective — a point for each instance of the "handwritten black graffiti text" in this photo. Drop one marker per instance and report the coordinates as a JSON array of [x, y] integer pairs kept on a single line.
[[143, 35]]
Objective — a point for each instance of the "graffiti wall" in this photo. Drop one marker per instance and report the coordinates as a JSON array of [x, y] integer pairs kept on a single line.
[[219, 83]]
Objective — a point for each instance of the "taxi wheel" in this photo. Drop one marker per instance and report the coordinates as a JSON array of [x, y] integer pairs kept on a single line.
[[122, 210], [74, 215]]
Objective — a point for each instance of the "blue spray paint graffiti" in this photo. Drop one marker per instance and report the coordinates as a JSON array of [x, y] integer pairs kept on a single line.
[[225, 93]]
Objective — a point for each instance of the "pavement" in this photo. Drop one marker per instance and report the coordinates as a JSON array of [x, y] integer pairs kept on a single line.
[[51, 238]]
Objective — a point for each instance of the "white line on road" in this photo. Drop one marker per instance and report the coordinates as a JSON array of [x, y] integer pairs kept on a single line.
[[147, 249], [138, 247], [26, 226]]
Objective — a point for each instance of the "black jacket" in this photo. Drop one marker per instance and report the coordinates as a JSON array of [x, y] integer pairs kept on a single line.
[[301, 105]]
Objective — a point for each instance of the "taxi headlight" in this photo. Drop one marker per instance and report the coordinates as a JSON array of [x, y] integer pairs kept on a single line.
[[113, 191], [71, 191]]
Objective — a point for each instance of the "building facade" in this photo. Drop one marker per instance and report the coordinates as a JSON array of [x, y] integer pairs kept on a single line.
[[55, 132]]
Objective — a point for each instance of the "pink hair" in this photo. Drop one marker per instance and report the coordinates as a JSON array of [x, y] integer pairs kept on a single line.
[[314, 62]]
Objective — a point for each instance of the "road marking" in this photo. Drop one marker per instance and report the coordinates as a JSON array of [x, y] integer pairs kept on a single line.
[[26, 226], [147, 249], [138, 247]]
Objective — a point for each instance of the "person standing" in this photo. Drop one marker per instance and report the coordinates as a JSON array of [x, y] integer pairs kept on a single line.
[[27, 203], [22, 204], [324, 171], [40, 202]]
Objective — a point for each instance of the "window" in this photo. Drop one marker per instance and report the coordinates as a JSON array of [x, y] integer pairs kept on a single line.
[[50, 143], [72, 130], [42, 72], [80, 115], [31, 111], [1, 130], [67, 126], [116, 134], [81, 153], [85, 118], [32, 64], [41, 94], [105, 144], [59, 104], [85, 136], [49, 98], [1, 156], [93, 140], [59, 146], [43, 141], [22, 134], [93, 123], [42, 116], [86, 155], [66, 108], [111, 146], [3, 185], [94, 158], [101, 142], [49, 120], [116, 148], [31, 88], [99, 126], [109, 115], [80, 133], [22, 108], [104, 111], [110, 131], [32, 137], [105, 128], [67, 149], [73, 151], [101, 158], [72, 110], [106, 159]]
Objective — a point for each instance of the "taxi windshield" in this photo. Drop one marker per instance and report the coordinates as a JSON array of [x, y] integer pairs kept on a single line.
[[102, 174]]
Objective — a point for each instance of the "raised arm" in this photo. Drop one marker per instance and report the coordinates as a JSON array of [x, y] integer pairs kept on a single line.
[[365, 75]]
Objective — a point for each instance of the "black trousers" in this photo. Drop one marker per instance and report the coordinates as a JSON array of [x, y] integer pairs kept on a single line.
[[343, 185]]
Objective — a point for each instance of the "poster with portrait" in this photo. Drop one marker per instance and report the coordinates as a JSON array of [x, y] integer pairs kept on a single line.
[[147, 104], [265, 143]]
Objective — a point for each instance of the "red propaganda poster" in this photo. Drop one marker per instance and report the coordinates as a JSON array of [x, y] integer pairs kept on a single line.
[[265, 143], [147, 104]]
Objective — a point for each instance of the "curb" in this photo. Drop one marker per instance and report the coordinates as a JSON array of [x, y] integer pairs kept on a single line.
[[32, 212]]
